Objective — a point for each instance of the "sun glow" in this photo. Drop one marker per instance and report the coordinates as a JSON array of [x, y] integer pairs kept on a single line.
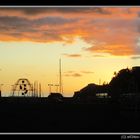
[[92, 43]]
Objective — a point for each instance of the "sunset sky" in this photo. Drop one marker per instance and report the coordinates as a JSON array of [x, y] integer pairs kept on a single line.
[[92, 42]]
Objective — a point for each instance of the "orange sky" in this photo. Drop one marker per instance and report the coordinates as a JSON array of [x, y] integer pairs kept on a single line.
[[86, 35], [112, 26]]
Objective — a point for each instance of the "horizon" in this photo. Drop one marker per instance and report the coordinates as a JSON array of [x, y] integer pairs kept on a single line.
[[93, 43]]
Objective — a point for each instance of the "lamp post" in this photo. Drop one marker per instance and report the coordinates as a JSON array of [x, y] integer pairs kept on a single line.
[[56, 87], [50, 85]]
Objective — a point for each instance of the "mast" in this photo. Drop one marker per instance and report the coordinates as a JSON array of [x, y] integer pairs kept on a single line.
[[60, 76]]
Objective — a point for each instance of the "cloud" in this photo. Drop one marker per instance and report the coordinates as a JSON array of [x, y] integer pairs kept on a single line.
[[97, 55], [87, 72], [73, 75], [44, 10], [76, 74], [72, 55], [114, 49], [54, 21], [114, 31], [135, 57], [69, 72], [19, 28]]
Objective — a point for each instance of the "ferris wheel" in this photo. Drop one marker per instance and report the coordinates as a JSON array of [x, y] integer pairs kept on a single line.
[[22, 88]]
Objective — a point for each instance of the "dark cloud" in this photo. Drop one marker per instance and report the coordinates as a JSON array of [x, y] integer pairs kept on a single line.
[[40, 10], [69, 72], [19, 27], [77, 74], [73, 75], [34, 11], [82, 10], [55, 20], [13, 21], [16, 25], [25, 10], [72, 55]]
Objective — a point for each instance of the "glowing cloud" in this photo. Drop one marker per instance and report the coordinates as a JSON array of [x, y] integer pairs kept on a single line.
[[109, 30], [118, 50]]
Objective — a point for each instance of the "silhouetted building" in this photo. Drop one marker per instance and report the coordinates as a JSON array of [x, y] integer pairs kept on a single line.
[[91, 92], [125, 84], [55, 97]]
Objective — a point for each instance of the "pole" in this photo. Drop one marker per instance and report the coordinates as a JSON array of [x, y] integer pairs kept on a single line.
[[39, 89], [56, 88], [34, 88], [50, 87], [60, 77]]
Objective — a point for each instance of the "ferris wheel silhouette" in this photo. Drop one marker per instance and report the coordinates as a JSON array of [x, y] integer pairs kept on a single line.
[[22, 88]]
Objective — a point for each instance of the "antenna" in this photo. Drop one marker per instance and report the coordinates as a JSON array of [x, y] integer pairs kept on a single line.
[[60, 76]]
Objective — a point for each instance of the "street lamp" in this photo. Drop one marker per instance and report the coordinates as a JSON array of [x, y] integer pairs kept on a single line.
[[50, 87], [56, 87]]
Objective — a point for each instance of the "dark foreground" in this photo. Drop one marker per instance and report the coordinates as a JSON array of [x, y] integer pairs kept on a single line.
[[39, 115]]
